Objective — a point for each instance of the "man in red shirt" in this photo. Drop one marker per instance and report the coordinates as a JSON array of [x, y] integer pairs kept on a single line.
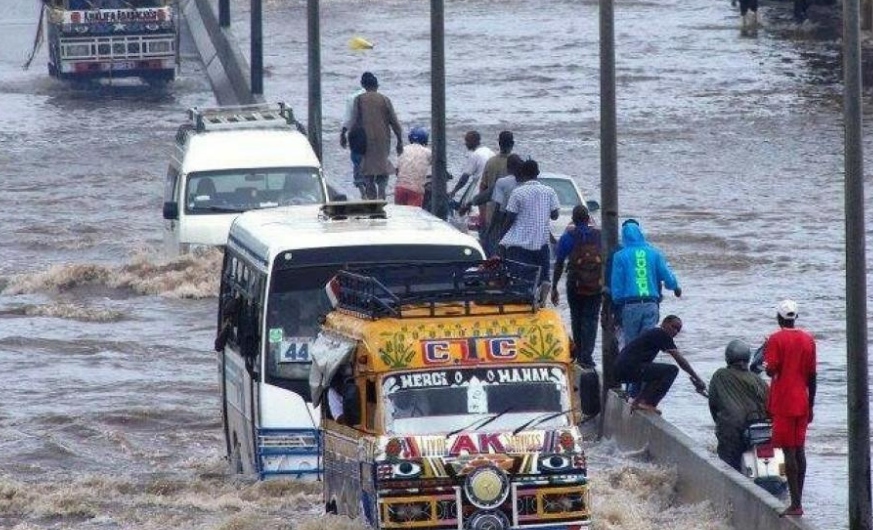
[[790, 362]]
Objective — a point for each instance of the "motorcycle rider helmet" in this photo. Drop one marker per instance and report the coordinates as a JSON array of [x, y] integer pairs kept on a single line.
[[737, 351], [418, 135]]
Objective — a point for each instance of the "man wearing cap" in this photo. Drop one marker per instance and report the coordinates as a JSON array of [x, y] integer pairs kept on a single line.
[[375, 113], [789, 360]]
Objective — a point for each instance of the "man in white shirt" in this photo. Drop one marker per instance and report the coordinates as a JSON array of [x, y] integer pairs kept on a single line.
[[477, 156], [528, 210]]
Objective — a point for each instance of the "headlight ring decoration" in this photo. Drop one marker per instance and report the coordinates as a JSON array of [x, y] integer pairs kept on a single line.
[[488, 520], [487, 487]]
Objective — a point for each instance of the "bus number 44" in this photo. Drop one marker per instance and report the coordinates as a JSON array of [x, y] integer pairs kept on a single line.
[[297, 352]]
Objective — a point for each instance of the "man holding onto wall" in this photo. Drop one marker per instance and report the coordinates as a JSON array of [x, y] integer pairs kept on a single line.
[[635, 364], [790, 360]]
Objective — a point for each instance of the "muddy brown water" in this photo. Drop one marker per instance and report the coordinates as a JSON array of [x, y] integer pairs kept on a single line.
[[730, 155]]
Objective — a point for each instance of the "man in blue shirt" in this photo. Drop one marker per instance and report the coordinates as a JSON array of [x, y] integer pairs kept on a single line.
[[638, 272], [581, 244]]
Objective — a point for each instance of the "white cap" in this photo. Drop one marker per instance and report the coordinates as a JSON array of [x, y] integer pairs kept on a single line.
[[787, 309]]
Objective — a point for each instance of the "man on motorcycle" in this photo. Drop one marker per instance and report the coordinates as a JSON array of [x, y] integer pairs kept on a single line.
[[736, 397]]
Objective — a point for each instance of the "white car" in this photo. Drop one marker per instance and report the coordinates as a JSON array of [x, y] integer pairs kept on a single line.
[[564, 185], [230, 160]]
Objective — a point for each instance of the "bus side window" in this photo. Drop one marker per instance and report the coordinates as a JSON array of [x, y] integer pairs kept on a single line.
[[370, 412]]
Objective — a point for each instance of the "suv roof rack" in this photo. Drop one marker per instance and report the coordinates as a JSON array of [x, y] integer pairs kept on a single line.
[[387, 291], [248, 116], [342, 210]]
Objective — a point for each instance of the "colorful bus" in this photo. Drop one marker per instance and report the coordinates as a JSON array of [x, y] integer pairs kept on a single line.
[[92, 39], [449, 401]]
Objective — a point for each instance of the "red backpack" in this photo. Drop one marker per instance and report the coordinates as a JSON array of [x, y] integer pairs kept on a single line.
[[585, 265]]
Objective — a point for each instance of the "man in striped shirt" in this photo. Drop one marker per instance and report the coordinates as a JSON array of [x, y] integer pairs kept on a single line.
[[528, 211]]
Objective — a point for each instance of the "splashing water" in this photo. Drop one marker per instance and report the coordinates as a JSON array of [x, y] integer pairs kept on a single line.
[[194, 275]]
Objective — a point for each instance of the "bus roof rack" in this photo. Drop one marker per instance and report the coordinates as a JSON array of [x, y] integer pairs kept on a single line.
[[342, 210], [247, 116], [404, 289]]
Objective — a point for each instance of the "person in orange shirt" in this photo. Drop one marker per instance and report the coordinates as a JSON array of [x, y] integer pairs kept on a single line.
[[789, 359]]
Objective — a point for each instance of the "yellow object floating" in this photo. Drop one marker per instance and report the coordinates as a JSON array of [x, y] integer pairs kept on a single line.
[[360, 43]]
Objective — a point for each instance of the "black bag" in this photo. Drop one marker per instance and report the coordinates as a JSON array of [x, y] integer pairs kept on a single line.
[[585, 267], [358, 136]]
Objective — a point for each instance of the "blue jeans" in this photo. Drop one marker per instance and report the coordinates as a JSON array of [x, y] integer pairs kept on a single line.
[[538, 258], [357, 178], [636, 318]]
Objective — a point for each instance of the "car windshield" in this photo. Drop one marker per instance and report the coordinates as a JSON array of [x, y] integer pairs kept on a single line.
[[441, 401], [240, 190], [567, 194]]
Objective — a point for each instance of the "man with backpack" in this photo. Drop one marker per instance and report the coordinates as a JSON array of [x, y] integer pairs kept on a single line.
[[580, 247]]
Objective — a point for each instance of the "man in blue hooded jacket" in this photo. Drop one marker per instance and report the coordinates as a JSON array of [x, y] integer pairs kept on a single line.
[[638, 272]]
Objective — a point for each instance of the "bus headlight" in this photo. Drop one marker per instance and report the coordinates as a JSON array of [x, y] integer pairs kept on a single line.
[[77, 50]]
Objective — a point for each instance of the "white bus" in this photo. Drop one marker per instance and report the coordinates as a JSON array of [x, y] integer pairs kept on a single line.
[[276, 265], [229, 160]]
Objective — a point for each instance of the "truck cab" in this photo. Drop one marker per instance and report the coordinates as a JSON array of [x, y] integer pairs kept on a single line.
[[449, 401]]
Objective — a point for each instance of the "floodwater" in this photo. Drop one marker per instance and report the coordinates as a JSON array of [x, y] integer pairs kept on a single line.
[[730, 155]]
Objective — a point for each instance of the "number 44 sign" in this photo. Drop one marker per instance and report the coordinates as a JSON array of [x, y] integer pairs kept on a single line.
[[295, 350]]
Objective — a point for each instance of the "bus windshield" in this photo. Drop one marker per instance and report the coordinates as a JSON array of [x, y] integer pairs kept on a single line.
[[114, 4], [239, 190], [441, 401]]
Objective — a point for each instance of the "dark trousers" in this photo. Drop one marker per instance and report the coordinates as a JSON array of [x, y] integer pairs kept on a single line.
[[746, 5], [539, 258], [374, 186], [584, 314], [730, 446], [656, 378], [800, 8]]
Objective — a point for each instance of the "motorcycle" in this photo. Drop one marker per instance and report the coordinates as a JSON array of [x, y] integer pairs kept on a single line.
[[762, 462]]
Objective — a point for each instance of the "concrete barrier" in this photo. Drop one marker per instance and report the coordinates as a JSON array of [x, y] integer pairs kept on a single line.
[[226, 66], [702, 476]]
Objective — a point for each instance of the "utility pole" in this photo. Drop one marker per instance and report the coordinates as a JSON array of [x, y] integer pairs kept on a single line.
[[608, 172], [224, 13], [439, 197], [257, 49], [314, 41], [857, 401]]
